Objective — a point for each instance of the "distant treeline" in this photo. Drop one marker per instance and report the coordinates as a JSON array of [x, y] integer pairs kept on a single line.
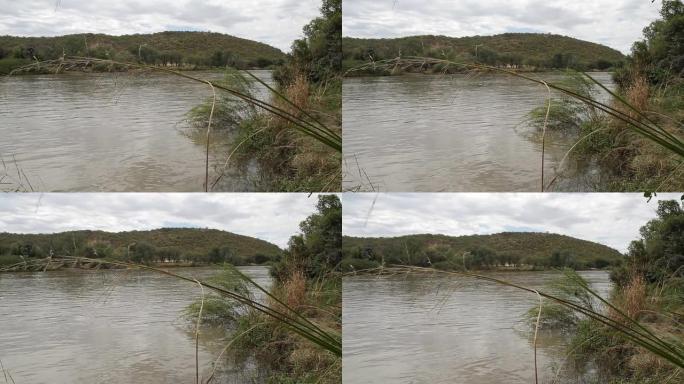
[[514, 250], [516, 50], [191, 50], [167, 245]]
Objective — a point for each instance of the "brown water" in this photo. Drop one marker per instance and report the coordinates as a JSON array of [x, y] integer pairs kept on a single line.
[[446, 329], [448, 133], [109, 132], [115, 326]]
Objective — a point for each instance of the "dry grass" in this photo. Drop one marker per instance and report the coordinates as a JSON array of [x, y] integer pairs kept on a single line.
[[632, 299], [298, 93], [638, 95], [294, 290]]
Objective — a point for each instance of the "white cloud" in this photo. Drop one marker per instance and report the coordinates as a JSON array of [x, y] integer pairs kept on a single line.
[[612, 219], [615, 23], [275, 22], [272, 217]]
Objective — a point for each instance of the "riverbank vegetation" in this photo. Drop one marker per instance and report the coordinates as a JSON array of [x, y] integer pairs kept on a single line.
[[523, 51], [508, 250], [648, 295], [290, 157], [179, 50], [306, 282], [650, 91], [166, 246]]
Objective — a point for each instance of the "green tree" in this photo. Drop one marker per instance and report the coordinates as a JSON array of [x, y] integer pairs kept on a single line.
[[143, 252], [659, 254], [318, 249], [319, 54]]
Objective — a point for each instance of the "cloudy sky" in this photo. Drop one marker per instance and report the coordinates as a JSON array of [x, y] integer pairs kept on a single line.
[[271, 217], [607, 218], [615, 23], [274, 22]]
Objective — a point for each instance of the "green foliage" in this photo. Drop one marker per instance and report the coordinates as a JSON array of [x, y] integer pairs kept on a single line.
[[508, 249], [659, 255], [166, 245], [229, 111], [354, 264], [7, 259], [567, 113], [10, 63], [319, 54], [554, 315], [533, 50], [317, 250], [660, 56], [216, 309]]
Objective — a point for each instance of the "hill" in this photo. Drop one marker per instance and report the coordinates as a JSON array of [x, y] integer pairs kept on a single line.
[[509, 249], [166, 244], [534, 50], [176, 49]]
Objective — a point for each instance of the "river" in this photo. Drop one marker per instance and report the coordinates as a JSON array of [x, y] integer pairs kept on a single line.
[[109, 326], [442, 329], [110, 132], [433, 133]]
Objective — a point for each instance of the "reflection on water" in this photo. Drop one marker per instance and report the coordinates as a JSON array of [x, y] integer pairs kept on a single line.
[[107, 131], [447, 133], [113, 326], [445, 329]]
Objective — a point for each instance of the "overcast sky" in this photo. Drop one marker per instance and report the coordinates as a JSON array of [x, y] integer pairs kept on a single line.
[[612, 219], [272, 217], [274, 22], [615, 23]]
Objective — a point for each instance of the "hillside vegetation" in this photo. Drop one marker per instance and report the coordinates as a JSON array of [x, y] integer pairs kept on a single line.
[[174, 49], [530, 50], [507, 249], [166, 244]]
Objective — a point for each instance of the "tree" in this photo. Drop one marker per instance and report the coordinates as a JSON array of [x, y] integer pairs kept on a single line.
[[661, 53], [318, 249], [142, 252], [659, 254], [319, 54]]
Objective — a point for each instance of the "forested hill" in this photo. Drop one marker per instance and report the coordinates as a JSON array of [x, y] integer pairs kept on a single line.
[[181, 244], [202, 49], [483, 251], [517, 49]]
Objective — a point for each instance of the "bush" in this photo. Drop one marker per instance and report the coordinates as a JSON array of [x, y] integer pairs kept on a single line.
[[350, 265], [10, 63], [6, 260]]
